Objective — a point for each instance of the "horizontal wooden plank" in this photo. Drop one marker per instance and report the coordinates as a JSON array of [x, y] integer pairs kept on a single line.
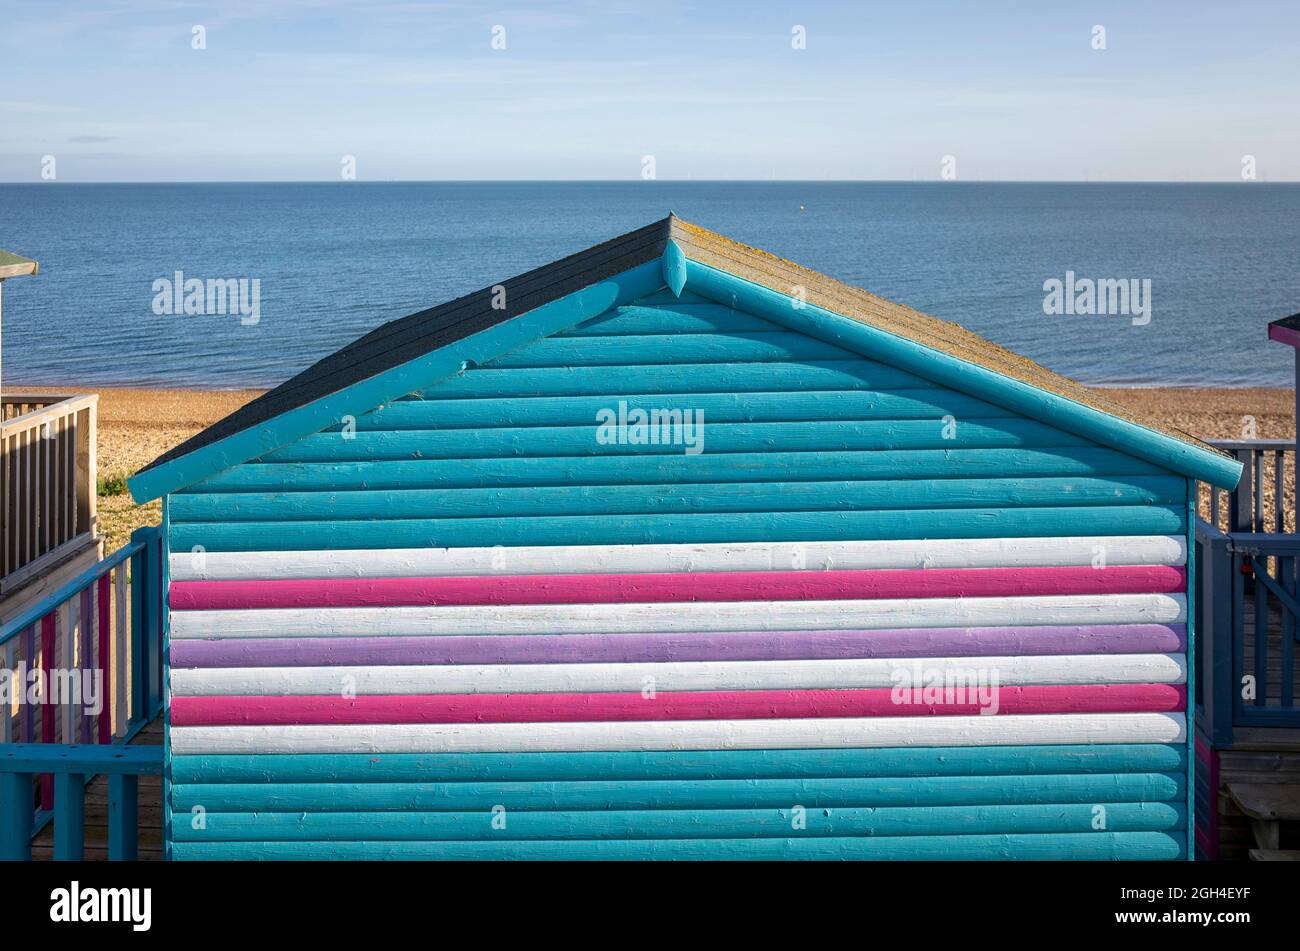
[[693, 705], [693, 617], [929, 403], [675, 587], [703, 528], [653, 349], [986, 673], [680, 764], [672, 319], [676, 469], [543, 442], [709, 734], [601, 795], [50, 758], [1095, 846], [646, 499], [486, 825], [686, 646], [584, 380], [590, 559]]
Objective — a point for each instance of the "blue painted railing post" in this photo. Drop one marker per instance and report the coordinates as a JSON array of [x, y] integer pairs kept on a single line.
[[69, 817], [123, 794], [150, 667], [15, 817]]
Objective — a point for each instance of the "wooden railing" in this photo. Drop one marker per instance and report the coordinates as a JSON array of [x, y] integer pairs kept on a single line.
[[102, 632], [1247, 604], [47, 482], [1264, 499]]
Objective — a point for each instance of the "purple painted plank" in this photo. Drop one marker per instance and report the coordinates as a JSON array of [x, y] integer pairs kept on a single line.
[[29, 709], [617, 648], [85, 622]]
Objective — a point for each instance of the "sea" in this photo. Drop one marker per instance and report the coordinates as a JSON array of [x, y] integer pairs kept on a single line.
[[1207, 266]]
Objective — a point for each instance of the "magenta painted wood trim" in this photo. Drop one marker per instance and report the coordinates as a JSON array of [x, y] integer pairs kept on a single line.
[[651, 588], [701, 705], [104, 629], [86, 624], [47, 709], [631, 648], [1284, 335]]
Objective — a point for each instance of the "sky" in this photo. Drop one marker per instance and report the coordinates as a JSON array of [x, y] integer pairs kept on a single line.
[[154, 90]]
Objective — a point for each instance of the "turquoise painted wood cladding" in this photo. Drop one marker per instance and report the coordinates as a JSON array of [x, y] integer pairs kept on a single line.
[[680, 764], [678, 469], [668, 498], [1090, 846], [805, 439], [680, 529], [681, 823]]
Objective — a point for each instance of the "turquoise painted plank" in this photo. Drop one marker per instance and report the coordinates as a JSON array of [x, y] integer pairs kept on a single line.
[[485, 825], [661, 499], [1095, 846], [633, 350], [679, 793], [880, 763], [681, 319], [389, 385], [680, 469], [680, 529], [664, 297], [850, 374], [548, 441], [978, 381], [932, 403]]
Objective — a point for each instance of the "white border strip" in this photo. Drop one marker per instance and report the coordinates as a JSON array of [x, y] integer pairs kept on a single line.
[[683, 616], [685, 735], [970, 672], [614, 559]]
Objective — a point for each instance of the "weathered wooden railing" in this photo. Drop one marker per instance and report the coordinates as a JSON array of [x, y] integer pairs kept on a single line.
[[1264, 499], [82, 675], [1247, 603], [47, 482]]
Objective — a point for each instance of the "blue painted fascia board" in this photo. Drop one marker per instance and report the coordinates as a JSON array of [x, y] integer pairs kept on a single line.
[[420, 373], [1110, 431]]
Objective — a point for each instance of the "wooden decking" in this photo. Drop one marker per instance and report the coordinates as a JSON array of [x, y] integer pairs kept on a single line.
[[150, 816]]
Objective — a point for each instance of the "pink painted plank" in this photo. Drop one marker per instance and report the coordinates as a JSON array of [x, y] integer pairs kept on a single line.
[[102, 670], [648, 588], [701, 705]]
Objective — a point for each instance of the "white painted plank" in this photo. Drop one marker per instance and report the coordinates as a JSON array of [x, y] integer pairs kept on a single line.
[[685, 735], [690, 616], [612, 559], [676, 675]]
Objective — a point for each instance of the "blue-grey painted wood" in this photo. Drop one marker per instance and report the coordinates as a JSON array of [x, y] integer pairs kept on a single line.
[[679, 793], [625, 350], [551, 441], [1096, 846], [516, 825], [931, 403], [667, 498], [679, 469], [846, 374], [680, 529], [880, 763]]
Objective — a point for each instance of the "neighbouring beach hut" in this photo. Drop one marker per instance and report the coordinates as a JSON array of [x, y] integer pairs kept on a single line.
[[675, 549]]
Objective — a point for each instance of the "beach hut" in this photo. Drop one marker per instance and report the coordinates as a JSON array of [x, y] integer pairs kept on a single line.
[[675, 549]]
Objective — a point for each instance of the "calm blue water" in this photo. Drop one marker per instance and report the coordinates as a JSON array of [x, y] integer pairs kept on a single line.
[[336, 260]]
